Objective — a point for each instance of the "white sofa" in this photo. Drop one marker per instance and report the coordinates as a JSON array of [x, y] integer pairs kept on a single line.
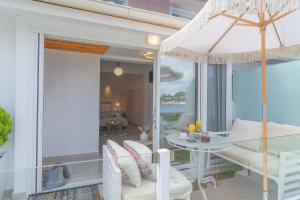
[[283, 153], [113, 189]]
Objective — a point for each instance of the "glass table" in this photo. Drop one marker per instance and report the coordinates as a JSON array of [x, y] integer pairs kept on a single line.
[[198, 150], [114, 128]]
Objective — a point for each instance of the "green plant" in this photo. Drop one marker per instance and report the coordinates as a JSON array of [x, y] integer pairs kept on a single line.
[[5, 126]]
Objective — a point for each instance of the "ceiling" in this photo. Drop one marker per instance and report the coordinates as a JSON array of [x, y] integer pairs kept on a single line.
[[125, 54], [114, 52]]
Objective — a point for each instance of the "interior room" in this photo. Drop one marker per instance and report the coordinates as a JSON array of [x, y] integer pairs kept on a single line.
[[126, 90], [90, 97]]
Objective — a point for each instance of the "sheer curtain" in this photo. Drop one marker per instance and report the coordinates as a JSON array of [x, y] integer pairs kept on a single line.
[[216, 98]]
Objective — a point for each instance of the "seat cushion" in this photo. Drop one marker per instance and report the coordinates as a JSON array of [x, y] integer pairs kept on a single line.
[[283, 144], [180, 188], [126, 163], [250, 158], [143, 156]]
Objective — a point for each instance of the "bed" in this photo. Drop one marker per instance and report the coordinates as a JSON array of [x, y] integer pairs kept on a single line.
[[283, 154]]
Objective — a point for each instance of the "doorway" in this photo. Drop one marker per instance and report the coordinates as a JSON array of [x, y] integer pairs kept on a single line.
[[126, 101], [76, 113]]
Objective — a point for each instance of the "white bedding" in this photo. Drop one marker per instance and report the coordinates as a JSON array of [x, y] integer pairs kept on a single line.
[[180, 188]]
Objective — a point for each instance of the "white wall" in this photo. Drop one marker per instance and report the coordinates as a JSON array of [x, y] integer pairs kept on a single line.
[[7, 89], [71, 103], [18, 82], [7, 62]]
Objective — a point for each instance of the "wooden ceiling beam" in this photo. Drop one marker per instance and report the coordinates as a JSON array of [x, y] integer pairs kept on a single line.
[[75, 46]]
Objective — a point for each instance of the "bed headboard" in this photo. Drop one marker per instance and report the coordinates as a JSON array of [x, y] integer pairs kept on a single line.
[[105, 106], [112, 180]]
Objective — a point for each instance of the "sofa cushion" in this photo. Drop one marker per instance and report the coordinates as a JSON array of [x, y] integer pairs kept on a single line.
[[143, 156], [126, 163], [180, 188], [243, 130], [246, 134], [251, 159], [278, 130], [282, 138]]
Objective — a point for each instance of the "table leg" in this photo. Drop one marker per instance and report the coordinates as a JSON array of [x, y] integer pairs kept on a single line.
[[197, 167], [201, 173], [200, 165]]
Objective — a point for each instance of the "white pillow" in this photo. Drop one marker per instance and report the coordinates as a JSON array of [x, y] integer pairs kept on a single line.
[[246, 134], [143, 156], [126, 163], [278, 130], [243, 130], [144, 151]]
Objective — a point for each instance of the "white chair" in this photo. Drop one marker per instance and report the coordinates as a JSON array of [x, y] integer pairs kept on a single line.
[[113, 189]]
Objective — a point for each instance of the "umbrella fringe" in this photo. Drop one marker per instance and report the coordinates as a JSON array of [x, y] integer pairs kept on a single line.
[[214, 7], [246, 57]]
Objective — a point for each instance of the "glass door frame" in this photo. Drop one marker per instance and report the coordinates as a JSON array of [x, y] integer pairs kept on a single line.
[[200, 94]]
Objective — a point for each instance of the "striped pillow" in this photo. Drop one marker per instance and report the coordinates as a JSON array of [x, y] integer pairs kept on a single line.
[[125, 161], [143, 156]]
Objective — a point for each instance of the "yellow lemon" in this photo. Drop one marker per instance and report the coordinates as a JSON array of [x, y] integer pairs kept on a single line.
[[198, 123], [191, 128]]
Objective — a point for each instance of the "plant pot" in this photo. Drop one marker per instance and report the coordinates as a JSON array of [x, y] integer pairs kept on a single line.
[[150, 136], [4, 147], [205, 139], [144, 137]]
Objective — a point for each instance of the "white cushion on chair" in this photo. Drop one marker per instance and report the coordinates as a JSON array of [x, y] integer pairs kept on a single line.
[[278, 130], [282, 137], [126, 163], [141, 149], [243, 130], [180, 188], [143, 156], [246, 134]]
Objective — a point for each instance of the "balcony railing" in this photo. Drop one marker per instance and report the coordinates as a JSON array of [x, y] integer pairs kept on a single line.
[[179, 8], [234, 170]]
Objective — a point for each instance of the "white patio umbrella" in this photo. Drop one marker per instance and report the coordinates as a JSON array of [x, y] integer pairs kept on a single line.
[[243, 31]]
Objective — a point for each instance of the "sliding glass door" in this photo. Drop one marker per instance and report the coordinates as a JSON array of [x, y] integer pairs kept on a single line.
[[177, 95]]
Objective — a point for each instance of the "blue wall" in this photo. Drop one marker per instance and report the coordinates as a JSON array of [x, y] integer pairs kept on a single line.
[[283, 93]]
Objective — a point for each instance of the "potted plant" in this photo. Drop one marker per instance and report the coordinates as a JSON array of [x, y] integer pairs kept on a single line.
[[5, 126]]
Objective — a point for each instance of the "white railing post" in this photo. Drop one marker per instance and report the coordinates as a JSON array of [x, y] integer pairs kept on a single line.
[[163, 175]]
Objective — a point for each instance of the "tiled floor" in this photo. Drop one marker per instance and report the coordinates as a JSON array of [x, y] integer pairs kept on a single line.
[[240, 187], [86, 168], [133, 134]]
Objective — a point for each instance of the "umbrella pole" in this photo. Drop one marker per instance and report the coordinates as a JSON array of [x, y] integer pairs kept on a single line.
[[264, 111]]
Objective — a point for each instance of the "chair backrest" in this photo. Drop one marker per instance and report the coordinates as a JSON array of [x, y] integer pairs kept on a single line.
[[112, 180]]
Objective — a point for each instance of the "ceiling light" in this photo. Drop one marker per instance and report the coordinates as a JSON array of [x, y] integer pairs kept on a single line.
[[118, 71], [149, 54], [153, 40]]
